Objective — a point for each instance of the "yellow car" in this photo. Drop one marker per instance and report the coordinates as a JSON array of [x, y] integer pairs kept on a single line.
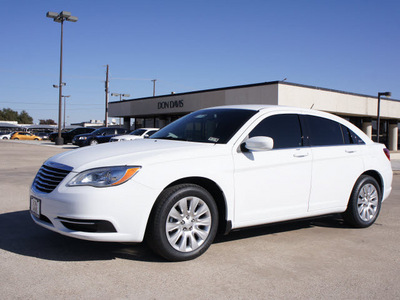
[[20, 135]]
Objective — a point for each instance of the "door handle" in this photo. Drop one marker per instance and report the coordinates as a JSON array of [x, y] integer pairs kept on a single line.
[[350, 150], [301, 154]]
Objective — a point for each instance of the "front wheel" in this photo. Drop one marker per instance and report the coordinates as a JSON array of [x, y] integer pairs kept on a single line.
[[364, 203], [183, 223], [93, 142]]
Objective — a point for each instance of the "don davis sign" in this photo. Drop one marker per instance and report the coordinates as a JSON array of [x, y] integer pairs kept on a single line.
[[170, 104]]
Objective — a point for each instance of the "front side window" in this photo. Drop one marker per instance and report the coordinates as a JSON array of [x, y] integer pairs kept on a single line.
[[151, 132], [206, 126], [110, 131], [284, 129]]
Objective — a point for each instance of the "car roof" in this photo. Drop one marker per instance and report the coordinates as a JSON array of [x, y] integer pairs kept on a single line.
[[262, 107], [277, 108]]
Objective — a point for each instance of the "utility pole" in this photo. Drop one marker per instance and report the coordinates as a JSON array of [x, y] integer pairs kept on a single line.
[[106, 118], [154, 86]]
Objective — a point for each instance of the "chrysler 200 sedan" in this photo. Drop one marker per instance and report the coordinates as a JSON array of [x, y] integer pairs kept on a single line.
[[212, 171]]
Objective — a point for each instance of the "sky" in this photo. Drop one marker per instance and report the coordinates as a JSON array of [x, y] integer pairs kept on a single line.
[[190, 45]]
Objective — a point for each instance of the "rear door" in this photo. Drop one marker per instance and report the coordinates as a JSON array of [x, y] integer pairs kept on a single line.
[[337, 163]]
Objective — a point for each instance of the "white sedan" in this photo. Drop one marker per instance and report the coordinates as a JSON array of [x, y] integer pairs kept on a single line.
[[6, 136], [212, 171], [135, 135]]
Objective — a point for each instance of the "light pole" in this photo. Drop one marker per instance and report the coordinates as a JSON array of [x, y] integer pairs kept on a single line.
[[60, 18], [154, 87], [120, 99], [65, 100], [386, 94]]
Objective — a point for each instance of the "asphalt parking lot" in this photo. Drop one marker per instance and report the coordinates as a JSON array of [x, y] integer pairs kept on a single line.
[[312, 259]]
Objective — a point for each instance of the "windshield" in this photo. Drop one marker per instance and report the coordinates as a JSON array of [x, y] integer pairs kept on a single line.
[[206, 126], [138, 132], [98, 131]]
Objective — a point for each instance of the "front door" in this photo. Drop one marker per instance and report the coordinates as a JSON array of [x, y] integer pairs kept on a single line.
[[273, 185]]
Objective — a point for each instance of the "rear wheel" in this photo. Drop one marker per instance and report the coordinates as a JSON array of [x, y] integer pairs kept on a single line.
[[364, 203], [184, 222]]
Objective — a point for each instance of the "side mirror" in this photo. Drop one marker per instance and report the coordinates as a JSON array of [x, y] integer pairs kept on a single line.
[[259, 143]]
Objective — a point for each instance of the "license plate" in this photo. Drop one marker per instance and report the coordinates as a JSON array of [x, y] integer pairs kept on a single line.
[[35, 207]]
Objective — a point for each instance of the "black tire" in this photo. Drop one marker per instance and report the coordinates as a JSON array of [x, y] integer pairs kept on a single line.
[[364, 203], [191, 232], [36, 139]]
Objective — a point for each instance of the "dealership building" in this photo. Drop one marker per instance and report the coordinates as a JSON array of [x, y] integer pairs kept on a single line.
[[360, 110]]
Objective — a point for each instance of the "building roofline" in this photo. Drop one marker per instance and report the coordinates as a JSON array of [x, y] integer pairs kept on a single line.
[[254, 85]]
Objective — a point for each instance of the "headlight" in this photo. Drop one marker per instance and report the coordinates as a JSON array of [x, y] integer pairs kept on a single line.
[[104, 177], [83, 137]]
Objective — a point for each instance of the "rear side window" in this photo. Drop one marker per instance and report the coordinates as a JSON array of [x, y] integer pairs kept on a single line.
[[324, 132], [284, 129], [350, 137]]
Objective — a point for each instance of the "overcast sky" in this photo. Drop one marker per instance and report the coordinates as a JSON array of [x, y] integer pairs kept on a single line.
[[191, 45]]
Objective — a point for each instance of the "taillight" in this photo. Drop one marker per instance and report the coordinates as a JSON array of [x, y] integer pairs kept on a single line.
[[387, 153]]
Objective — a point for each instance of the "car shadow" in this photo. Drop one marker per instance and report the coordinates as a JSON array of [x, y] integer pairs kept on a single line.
[[20, 235], [331, 221]]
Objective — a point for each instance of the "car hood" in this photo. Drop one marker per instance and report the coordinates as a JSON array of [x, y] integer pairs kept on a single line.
[[142, 152]]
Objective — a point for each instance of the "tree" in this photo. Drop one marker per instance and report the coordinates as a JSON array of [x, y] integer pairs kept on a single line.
[[24, 118], [47, 122], [7, 114]]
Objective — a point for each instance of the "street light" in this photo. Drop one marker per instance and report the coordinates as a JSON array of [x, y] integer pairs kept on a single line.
[[60, 18], [65, 100], [120, 99], [120, 95], [386, 94]]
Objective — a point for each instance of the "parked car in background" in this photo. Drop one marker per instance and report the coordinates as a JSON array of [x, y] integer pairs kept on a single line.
[[135, 135], [23, 135], [6, 136], [101, 135], [216, 169], [69, 135], [43, 135]]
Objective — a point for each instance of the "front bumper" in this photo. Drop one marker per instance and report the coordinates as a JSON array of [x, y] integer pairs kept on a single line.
[[113, 214], [80, 143]]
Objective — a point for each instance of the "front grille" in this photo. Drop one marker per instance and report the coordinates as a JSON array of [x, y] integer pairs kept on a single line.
[[48, 178]]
